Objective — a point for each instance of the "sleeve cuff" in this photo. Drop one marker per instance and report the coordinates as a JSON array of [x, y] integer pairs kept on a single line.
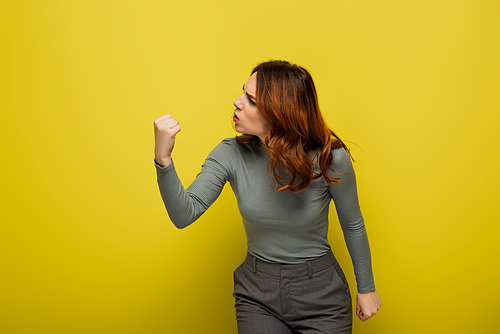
[[166, 168], [366, 289]]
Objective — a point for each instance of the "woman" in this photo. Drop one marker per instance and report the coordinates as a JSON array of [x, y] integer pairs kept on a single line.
[[284, 169]]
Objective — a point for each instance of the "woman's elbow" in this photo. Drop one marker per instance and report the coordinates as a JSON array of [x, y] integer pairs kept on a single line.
[[181, 226], [181, 223]]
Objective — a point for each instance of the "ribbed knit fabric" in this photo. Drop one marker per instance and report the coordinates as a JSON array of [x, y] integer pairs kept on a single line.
[[281, 227]]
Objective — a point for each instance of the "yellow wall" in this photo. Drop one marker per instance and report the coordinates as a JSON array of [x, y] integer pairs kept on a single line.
[[86, 245]]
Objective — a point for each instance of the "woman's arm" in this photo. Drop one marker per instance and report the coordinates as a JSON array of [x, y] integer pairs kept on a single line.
[[184, 206], [345, 196]]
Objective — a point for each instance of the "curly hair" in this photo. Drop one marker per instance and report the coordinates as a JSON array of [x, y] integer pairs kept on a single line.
[[299, 138]]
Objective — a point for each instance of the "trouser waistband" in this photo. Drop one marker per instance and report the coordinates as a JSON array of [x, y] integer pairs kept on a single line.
[[307, 268]]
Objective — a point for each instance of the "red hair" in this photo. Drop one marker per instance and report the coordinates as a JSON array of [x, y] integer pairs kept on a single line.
[[286, 98]]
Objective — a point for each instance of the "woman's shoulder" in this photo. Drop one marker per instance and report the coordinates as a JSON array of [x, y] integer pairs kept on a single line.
[[339, 154], [230, 153], [228, 142], [226, 146], [341, 160], [230, 147], [339, 151]]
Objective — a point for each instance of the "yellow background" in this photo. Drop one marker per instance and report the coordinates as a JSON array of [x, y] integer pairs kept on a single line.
[[87, 247]]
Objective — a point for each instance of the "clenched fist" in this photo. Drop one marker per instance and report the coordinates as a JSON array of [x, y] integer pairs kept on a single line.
[[367, 305], [166, 128]]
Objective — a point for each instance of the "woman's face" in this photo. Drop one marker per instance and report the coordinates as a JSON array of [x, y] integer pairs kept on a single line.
[[247, 118]]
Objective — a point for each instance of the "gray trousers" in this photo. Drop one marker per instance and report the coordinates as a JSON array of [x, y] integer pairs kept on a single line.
[[311, 297]]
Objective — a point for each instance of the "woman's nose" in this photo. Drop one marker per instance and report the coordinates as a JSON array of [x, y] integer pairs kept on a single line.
[[237, 103]]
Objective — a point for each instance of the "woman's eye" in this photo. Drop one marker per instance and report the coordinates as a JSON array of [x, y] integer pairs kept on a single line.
[[251, 101]]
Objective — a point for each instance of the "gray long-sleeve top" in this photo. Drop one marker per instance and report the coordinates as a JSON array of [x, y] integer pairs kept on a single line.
[[281, 227]]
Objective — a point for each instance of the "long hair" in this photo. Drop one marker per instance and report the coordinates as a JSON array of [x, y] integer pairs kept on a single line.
[[286, 98]]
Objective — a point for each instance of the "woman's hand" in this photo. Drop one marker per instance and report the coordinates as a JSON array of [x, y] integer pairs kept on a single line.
[[367, 305], [166, 128]]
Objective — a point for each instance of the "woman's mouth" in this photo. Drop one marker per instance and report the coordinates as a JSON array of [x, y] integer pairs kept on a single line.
[[235, 118]]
